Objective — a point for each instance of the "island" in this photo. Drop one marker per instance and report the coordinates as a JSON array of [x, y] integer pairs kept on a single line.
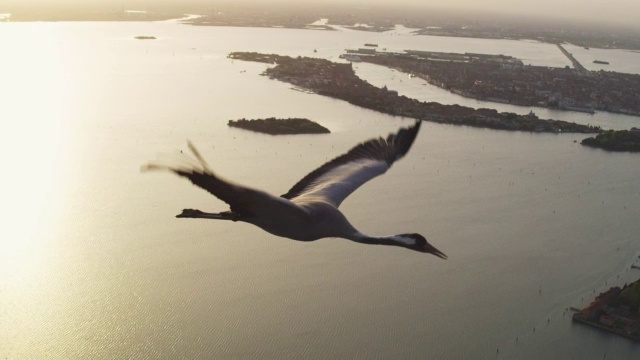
[[621, 140], [615, 311], [338, 80], [143, 37], [505, 79], [273, 126]]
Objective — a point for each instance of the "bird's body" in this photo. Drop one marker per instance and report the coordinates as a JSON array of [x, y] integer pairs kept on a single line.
[[309, 211], [315, 221]]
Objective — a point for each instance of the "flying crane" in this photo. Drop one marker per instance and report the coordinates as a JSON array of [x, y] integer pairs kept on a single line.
[[309, 210]]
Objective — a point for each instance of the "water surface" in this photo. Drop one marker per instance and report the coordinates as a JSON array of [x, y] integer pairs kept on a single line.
[[93, 263]]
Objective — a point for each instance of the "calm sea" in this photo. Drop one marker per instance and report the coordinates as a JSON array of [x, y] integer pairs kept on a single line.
[[93, 263]]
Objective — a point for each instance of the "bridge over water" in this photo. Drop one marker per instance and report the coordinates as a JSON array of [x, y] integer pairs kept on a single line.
[[574, 61]]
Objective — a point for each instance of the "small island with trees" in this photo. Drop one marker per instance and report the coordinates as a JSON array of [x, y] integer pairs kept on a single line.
[[621, 140], [616, 311], [145, 37], [273, 126]]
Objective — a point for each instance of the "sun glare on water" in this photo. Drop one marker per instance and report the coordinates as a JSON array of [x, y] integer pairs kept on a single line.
[[34, 92]]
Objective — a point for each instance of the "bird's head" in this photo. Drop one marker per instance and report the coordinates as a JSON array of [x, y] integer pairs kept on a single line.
[[417, 242]]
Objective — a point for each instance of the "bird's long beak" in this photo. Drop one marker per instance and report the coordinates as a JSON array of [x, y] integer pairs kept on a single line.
[[432, 250], [440, 254]]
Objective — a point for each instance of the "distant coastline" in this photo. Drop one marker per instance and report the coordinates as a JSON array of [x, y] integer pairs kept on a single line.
[[371, 19], [63, 13]]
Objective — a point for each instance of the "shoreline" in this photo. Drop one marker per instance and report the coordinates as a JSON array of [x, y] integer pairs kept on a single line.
[[337, 80], [577, 318], [614, 311]]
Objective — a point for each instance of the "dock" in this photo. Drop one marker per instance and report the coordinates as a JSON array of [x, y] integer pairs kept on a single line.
[[574, 61]]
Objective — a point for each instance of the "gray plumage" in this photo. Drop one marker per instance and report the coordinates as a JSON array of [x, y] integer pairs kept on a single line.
[[309, 210]]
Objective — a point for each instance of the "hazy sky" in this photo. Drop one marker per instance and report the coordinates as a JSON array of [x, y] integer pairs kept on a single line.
[[612, 11]]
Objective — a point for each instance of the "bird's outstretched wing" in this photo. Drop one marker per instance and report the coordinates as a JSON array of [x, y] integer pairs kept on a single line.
[[335, 180], [242, 200]]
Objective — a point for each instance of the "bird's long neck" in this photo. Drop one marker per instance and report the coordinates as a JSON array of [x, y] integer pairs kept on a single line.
[[394, 240], [415, 242]]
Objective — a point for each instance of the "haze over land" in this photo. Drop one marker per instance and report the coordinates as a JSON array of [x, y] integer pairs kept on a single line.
[[616, 12]]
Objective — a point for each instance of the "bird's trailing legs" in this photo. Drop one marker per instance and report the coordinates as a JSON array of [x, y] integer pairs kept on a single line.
[[197, 214]]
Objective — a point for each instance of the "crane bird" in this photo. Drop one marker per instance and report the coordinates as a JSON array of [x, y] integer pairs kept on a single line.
[[309, 210]]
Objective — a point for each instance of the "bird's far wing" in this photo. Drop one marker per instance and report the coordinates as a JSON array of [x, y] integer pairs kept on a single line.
[[241, 199], [338, 178]]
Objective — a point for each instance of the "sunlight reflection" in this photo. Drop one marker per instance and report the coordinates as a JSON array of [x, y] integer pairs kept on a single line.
[[35, 98]]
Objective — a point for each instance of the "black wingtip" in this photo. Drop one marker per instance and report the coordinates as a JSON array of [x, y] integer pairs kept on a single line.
[[393, 148], [404, 138]]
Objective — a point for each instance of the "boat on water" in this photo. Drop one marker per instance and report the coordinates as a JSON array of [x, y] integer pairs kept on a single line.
[[600, 62], [578, 109], [352, 58]]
